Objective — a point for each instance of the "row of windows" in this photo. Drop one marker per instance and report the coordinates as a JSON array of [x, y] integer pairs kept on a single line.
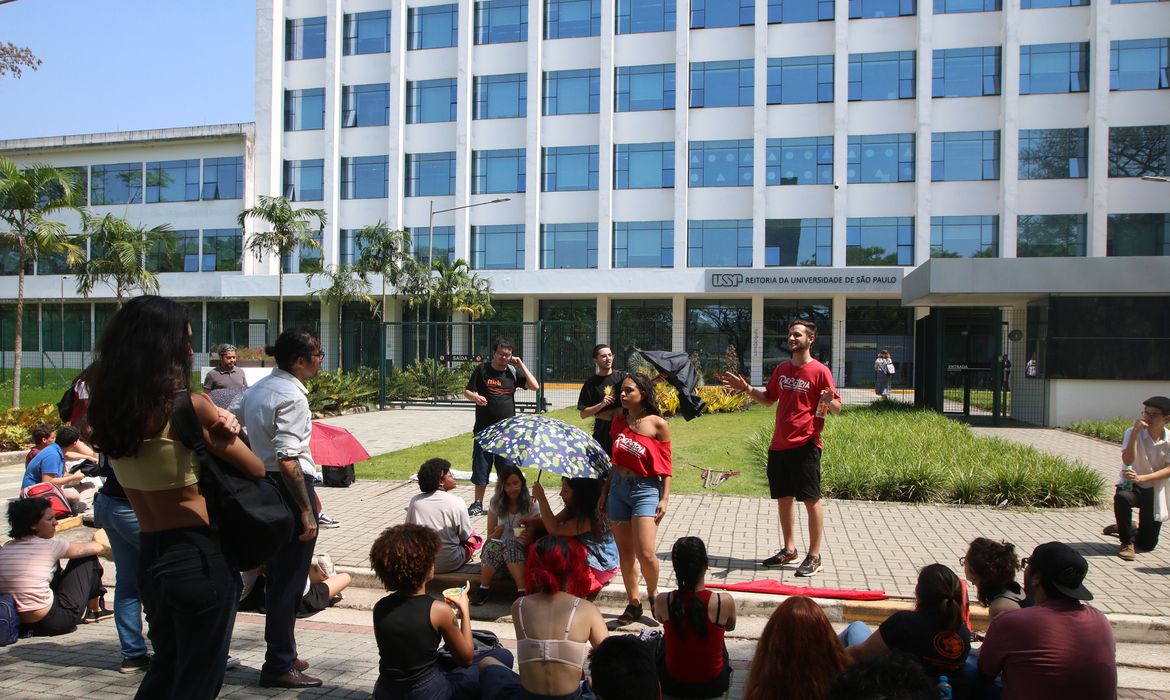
[[1139, 64], [186, 180], [505, 21], [209, 250], [875, 158]]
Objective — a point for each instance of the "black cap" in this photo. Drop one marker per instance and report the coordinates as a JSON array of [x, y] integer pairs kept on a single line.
[[1159, 402], [1061, 569]]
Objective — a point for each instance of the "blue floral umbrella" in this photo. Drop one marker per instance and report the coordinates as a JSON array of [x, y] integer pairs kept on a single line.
[[547, 444]]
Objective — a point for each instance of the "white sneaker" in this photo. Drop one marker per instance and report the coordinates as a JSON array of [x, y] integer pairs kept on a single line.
[[325, 522], [232, 662]]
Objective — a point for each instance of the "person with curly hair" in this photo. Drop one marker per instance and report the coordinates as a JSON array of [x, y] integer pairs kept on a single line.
[[695, 663], [991, 566], [408, 623], [798, 655]]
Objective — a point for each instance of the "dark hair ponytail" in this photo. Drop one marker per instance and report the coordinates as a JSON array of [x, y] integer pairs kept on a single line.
[[689, 557], [939, 592]]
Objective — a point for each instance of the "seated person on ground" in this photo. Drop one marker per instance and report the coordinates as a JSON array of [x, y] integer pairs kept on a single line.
[[694, 662], [1058, 647], [581, 520], [49, 466], [444, 513], [507, 538], [934, 632], [554, 628], [322, 589], [798, 655], [991, 566], [622, 668], [49, 603], [408, 623], [894, 676], [42, 436]]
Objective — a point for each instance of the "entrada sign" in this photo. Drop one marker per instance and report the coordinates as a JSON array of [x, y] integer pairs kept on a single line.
[[836, 279]]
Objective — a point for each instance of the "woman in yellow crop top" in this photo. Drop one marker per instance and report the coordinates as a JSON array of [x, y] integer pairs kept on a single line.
[[189, 588]]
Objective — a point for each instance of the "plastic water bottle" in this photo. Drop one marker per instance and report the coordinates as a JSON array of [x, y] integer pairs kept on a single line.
[[945, 692]]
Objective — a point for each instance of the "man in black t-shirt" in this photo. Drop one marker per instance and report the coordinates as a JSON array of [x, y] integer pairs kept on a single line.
[[492, 386], [599, 397]]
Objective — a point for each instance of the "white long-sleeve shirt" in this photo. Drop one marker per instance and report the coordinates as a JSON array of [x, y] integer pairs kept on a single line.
[[276, 414]]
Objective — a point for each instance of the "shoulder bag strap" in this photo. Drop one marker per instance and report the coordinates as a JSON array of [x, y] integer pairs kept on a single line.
[[186, 425]]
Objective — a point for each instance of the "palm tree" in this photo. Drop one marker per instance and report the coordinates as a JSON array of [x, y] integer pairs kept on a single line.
[[290, 229], [117, 256], [456, 287], [343, 285], [28, 196], [385, 251]]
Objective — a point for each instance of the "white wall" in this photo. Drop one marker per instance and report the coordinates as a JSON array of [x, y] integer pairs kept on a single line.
[[1072, 400]]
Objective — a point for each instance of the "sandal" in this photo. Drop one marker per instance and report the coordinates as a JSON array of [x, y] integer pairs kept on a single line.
[[630, 615]]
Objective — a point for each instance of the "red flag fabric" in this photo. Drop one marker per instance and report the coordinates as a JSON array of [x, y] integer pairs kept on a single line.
[[774, 587], [335, 447]]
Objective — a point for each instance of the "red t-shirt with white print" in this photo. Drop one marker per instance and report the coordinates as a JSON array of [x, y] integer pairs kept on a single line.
[[796, 391]]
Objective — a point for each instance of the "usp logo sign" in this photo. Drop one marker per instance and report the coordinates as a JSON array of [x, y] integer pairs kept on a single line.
[[726, 280]]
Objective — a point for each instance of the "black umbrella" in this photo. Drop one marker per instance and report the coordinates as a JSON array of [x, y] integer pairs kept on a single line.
[[677, 368]]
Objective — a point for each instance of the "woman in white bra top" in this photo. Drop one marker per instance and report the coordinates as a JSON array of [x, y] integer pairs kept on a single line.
[[554, 628]]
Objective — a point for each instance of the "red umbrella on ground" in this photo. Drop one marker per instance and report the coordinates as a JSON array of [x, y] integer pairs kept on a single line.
[[333, 446]]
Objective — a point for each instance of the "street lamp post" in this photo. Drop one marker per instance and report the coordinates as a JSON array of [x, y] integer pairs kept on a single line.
[[63, 278]]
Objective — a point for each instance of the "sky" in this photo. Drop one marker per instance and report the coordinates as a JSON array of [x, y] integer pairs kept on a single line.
[[121, 65]]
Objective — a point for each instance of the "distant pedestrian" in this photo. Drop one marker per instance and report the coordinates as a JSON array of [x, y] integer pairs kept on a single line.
[[803, 390], [1005, 368], [1145, 452], [1032, 367], [883, 373], [226, 375], [599, 397]]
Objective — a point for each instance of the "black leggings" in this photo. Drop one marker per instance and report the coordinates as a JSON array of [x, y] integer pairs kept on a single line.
[[73, 588]]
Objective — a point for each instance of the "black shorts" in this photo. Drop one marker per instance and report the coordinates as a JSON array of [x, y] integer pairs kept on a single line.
[[795, 472], [313, 602]]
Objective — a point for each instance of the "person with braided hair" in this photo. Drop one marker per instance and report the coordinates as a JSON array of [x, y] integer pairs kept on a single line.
[[693, 662]]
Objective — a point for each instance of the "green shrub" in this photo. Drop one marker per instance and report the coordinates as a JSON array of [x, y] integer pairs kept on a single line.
[[16, 424], [336, 391], [1112, 430], [434, 380]]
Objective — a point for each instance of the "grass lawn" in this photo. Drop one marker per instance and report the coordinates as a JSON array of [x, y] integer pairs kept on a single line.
[[980, 398], [36, 387], [1112, 430]]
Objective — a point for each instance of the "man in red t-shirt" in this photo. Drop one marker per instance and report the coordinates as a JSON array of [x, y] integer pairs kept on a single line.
[[803, 390]]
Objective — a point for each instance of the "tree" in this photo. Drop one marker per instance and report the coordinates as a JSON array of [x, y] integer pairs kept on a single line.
[[13, 59], [454, 286], [28, 196], [117, 256], [386, 252], [290, 229], [343, 285]]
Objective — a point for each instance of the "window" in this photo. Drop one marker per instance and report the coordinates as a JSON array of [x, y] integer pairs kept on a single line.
[[640, 323], [800, 80], [1054, 154], [564, 19], [881, 76], [1039, 4], [501, 21], [430, 174], [183, 256], [304, 180], [348, 253], [964, 155], [223, 249], [1138, 234], [30, 333], [720, 163], [947, 7], [304, 38], [433, 27], [794, 11], [1135, 151], [501, 96], [570, 168], [365, 105], [444, 245], [1139, 64], [716, 327], [966, 72], [223, 178], [1054, 68], [118, 183], [1051, 235], [643, 244], [722, 84], [172, 181], [639, 16], [572, 91], [798, 242], [79, 177], [779, 313], [76, 331], [643, 165], [881, 158], [493, 172], [568, 246], [800, 161], [305, 259], [304, 110], [869, 9], [879, 241], [366, 32], [1113, 338], [365, 177], [719, 243], [708, 14], [964, 236], [429, 101], [497, 247], [643, 88]]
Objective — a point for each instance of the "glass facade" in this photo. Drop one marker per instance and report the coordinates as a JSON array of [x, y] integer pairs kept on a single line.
[[223, 250], [709, 14], [572, 91], [719, 243], [722, 83], [639, 323], [883, 240], [881, 158], [887, 75], [641, 16], [964, 155], [780, 313], [304, 180], [569, 168], [429, 101], [720, 163], [1050, 235], [870, 9], [564, 246], [643, 165], [966, 72], [501, 21], [1135, 151], [643, 244], [1139, 64], [800, 80], [564, 19], [794, 11], [172, 181], [304, 38], [500, 96], [365, 177], [432, 27], [365, 105], [223, 178], [497, 247], [643, 88], [1054, 154], [947, 7], [430, 174], [1138, 234], [366, 32], [421, 247], [304, 110], [964, 236], [716, 330], [1047, 69], [798, 242], [183, 256], [116, 183], [494, 172], [800, 161]]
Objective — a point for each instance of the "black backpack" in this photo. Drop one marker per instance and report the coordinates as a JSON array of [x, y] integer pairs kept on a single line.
[[65, 405]]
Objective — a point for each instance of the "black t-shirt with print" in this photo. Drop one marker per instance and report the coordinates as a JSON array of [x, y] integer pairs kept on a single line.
[[941, 651], [498, 387], [592, 392]]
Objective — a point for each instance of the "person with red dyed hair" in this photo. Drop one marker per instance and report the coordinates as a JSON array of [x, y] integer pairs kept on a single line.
[[555, 629], [798, 655]]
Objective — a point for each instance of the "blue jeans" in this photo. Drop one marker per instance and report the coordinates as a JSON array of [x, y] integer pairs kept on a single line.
[[482, 463], [856, 633], [117, 518]]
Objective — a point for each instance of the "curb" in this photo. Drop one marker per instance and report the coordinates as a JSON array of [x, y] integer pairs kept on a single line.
[[1143, 629]]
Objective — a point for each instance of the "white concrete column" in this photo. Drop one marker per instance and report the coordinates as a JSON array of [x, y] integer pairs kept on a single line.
[[682, 101], [532, 154], [1097, 206], [269, 113], [840, 129], [332, 156], [923, 94], [396, 131], [465, 103], [1009, 128], [756, 369], [604, 331], [840, 323], [678, 311], [759, 137], [605, 146]]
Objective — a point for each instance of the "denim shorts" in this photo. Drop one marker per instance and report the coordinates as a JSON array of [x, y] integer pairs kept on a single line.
[[633, 496]]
